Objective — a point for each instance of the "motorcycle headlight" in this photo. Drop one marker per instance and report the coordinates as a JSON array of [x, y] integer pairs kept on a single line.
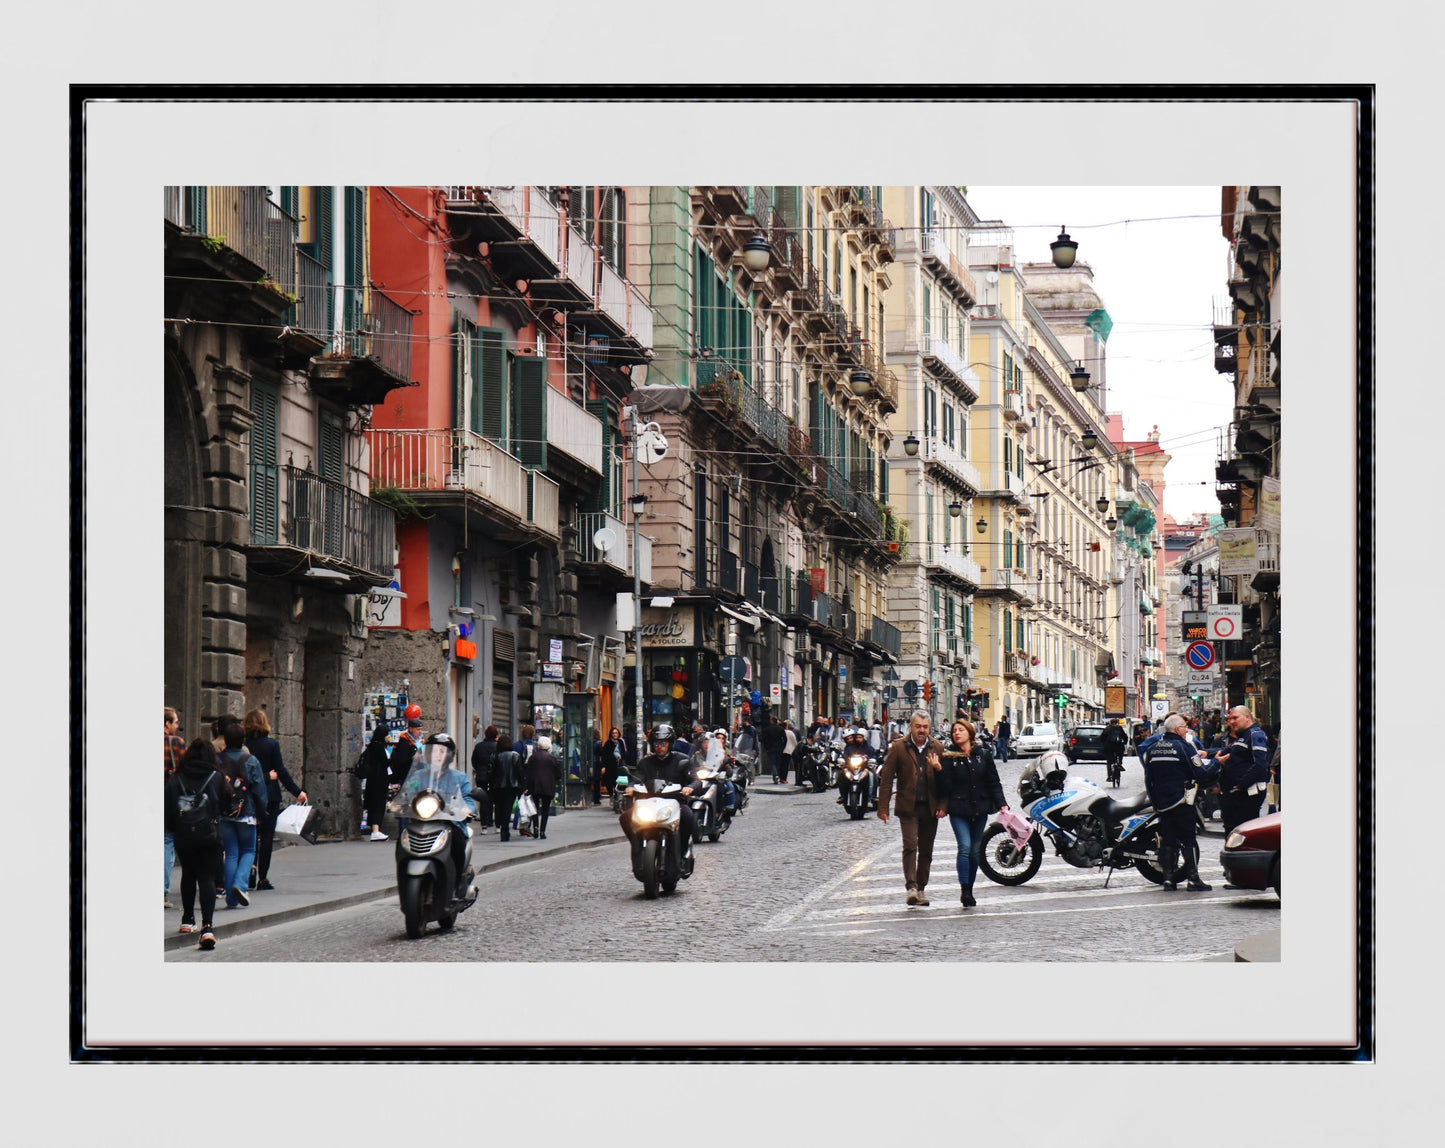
[[705, 774], [644, 813], [427, 805]]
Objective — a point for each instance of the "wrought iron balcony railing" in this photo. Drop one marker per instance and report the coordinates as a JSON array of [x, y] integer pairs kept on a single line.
[[300, 509]]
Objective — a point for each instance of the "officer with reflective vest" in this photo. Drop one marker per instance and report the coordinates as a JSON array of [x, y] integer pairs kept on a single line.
[[1172, 767], [1244, 768]]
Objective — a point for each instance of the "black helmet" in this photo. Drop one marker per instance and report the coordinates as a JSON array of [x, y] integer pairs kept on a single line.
[[444, 740], [662, 734]]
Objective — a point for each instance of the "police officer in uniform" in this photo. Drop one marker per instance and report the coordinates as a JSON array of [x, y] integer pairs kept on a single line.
[[1244, 768], [1171, 768]]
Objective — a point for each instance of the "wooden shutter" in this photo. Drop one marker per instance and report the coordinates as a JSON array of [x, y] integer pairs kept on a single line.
[[489, 387], [323, 230], [354, 259], [265, 474], [1008, 547], [1008, 625], [331, 465], [529, 410]]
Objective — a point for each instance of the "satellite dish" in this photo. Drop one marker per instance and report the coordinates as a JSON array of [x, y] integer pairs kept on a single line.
[[605, 539], [991, 276]]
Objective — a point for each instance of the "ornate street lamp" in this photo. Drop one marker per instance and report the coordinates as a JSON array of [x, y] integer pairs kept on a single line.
[[955, 508], [1089, 440], [910, 445], [1064, 250], [757, 252], [1111, 522], [982, 525], [1079, 377], [859, 382], [1102, 503]]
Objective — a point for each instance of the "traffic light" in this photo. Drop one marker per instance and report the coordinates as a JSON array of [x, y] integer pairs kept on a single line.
[[928, 691]]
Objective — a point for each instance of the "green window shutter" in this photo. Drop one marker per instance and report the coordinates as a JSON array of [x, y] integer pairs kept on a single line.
[[1008, 453], [1019, 552], [579, 210], [1019, 636], [324, 232], [967, 622], [291, 201], [354, 258], [265, 473], [332, 451], [928, 514], [1008, 543], [331, 464], [1008, 626], [529, 410], [602, 499], [489, 386]]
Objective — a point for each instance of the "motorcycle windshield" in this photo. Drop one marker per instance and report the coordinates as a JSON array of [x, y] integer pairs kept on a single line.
[[424, 781]]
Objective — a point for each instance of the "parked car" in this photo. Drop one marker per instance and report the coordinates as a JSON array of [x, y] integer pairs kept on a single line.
[[1040, 737], [1250, 856], [1085, 741]]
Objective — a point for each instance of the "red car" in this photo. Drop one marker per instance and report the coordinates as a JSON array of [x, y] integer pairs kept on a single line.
[[1251, 854]]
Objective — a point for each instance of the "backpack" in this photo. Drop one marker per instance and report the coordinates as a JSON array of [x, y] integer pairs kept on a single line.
[[236, 803], [196, 819]]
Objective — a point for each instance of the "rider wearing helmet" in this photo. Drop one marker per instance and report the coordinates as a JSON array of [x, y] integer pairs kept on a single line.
[[855, 740], [663, 763], [435, 768]]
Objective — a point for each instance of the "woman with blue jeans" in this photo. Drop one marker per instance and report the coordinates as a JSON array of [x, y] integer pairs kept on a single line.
[[246, 785], [970, 780]]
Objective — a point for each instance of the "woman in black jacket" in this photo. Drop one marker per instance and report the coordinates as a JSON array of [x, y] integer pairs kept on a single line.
[[376, 774], [199, 853], [970, 780], [267, 750], [507, 783]]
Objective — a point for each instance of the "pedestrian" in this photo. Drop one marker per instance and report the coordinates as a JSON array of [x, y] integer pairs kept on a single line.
[[484, 753], [1244, 768], [614, 759], [969, 781], [544, 771], [199, 780], [507, 781], [376, 780], [915, 762], [526, 745], [1172, 766], [217, 741], [596, 771], [1001, 734], [790, 749], [772, 741], [405, 749], [267, 750], [241, 811], [1114, 741], [1272, 791], [175, 746]]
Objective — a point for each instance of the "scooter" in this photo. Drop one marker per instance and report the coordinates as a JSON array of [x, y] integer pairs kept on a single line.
[[855, 784], [1086, 827], [711, 817], [620, 800], [659, 857], [431, 884], [816, 766]]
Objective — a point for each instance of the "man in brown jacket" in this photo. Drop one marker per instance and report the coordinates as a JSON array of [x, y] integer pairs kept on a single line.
[[915, 760]]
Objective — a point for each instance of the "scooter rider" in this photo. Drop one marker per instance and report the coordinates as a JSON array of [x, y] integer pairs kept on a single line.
[[856, 741], [435, 768], [1171, 766], [664, 764]]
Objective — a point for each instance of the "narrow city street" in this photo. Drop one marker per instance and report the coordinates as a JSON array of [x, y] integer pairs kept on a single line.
[[794, 880]]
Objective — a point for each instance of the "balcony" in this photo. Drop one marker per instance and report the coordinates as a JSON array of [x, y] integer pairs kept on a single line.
[[457, 467], [576, 284], [623, 313], [574, 432], [521, 226], [1001, 581], [614, 555], [947, 268], [948, 562], [946, 363], [968, 654], [373, 357], [886, 637], [1013, 406], [941, 455], [1006, 484], [298, 516], [1016, 664]]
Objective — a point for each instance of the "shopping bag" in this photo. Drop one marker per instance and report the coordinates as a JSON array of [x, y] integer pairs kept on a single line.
[[1271, 794], [526, 807], [293, 819]]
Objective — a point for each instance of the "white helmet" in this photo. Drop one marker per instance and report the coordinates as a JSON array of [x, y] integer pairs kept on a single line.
[[1053, 762]]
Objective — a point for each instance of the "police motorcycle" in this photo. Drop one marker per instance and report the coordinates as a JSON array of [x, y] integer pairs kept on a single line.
[[856, 777], [434, 871], [1086, 827], [660, 858]]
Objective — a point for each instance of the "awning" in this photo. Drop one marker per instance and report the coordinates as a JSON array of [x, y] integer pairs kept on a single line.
[[751, 620], [768, 615]]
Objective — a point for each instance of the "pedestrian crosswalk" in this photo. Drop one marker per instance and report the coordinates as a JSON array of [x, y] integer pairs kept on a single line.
[[870, 895]]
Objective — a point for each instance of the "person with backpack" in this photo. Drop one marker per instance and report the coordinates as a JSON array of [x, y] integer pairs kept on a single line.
[[243, 807], [193, 798]]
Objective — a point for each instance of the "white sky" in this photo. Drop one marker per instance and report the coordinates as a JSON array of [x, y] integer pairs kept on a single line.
[[1159, 276]]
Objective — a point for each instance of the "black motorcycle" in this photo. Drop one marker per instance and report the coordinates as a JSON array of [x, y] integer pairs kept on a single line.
[[431, 883], [816, 766], [855, 783], [711, 816]]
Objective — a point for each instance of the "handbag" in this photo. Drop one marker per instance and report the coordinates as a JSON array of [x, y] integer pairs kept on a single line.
[[1018, 828], [293, 819], [526, 807], [1271, 793]]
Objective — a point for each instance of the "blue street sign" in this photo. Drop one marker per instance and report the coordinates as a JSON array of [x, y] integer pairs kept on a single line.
[[1200, 655], [910, 688]]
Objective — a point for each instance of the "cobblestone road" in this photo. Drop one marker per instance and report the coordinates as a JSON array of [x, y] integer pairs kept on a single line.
[[795, 880]]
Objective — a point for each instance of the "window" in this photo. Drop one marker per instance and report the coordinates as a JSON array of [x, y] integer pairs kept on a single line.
[[1008, 547], [930, 411], [354, 259], [265, 472], [1008, 628], [612, 228], [927, 311]]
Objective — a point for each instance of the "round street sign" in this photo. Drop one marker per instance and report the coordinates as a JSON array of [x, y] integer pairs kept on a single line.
[[910, 688], [1222, 628], [1200, 655]]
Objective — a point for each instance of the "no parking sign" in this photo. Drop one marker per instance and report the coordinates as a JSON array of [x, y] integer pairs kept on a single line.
[[1199, 655]]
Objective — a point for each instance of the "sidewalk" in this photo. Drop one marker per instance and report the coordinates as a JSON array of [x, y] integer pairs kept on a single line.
[[312, 879]]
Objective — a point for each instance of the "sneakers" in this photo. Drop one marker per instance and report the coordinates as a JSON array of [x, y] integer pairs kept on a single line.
[[1197, 886], [242, 895], [208, 940], [912, 895], [922, 897], [378, 835], [168, 904], [188, 927]]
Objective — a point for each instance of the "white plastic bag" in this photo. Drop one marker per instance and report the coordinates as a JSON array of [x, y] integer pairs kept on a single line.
[[526, 807], [293, 819]]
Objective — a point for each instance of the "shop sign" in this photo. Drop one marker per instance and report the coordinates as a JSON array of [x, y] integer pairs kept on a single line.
[[1238, 551], [666, 628], [551, 671]]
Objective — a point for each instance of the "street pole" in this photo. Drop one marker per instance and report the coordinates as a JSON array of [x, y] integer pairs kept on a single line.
[[636, 504]]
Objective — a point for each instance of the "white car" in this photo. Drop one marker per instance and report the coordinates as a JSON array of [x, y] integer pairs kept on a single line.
[[1038, 738]]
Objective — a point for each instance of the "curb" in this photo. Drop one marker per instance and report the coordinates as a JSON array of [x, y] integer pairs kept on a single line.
[[1260, 947], [242, 925]]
